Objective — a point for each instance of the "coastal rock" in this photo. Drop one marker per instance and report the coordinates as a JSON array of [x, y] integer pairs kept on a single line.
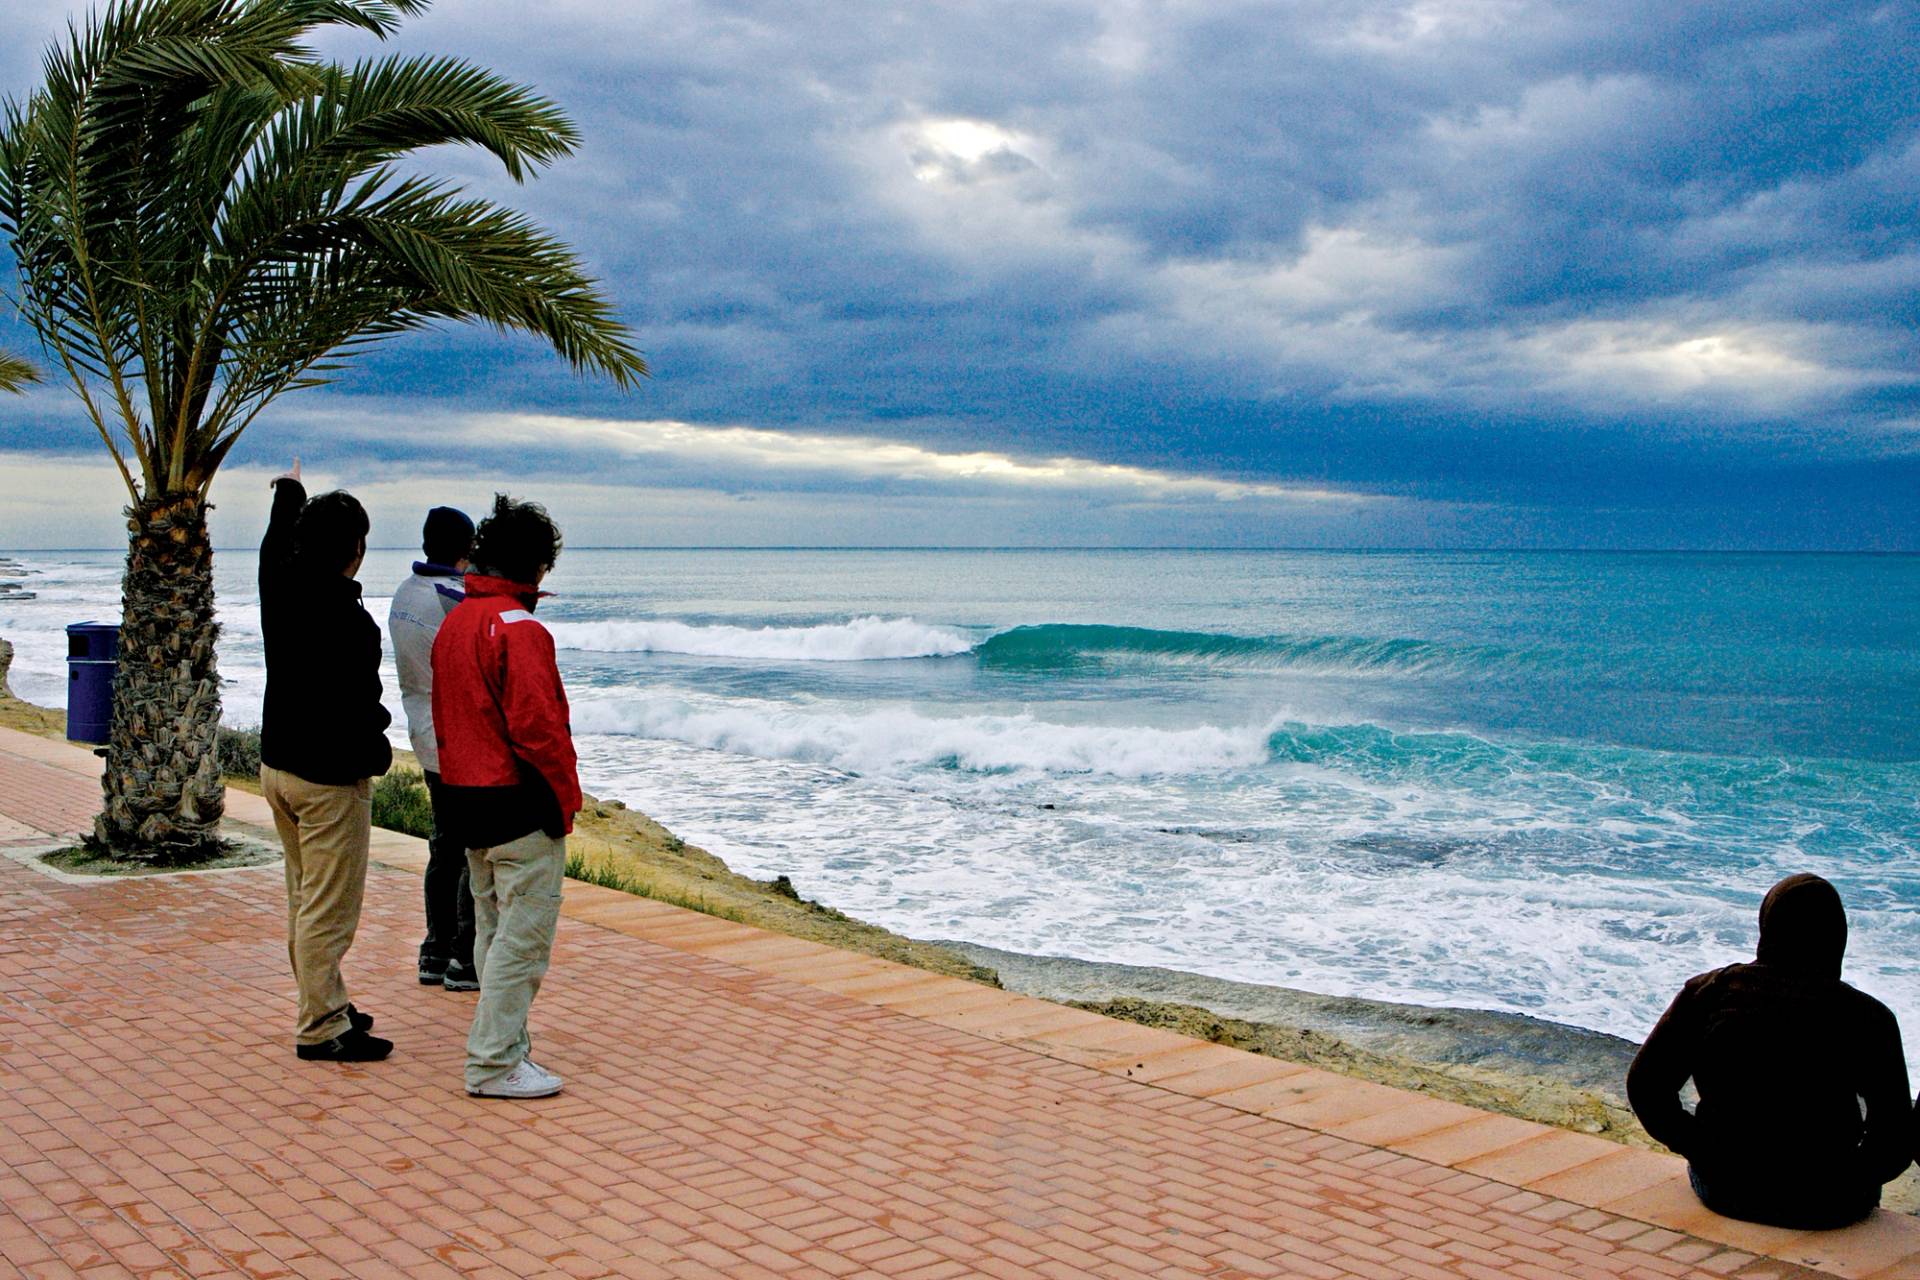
[[1502, 1043]]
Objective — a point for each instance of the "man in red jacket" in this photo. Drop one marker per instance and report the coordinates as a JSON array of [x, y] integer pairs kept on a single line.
[[509, 782]]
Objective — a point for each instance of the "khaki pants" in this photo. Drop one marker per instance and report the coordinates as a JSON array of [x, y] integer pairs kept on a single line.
[[324, 830], [516, 908]]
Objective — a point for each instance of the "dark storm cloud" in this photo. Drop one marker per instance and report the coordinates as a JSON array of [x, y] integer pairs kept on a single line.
[[1563, 256]]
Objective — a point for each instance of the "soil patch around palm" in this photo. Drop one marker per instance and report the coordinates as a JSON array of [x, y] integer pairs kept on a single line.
[[95, 860]]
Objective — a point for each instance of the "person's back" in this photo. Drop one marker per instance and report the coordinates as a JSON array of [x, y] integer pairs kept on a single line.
[[1783, 1055], [321, 717], [421, 604]]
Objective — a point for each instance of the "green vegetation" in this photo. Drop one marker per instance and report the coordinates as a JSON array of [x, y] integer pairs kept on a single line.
[[402, 803], [238, 751], [205, 215], [612, 876]]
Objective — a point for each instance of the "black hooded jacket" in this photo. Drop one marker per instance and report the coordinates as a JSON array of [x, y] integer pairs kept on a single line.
[[1783, 1054], [321, 719]]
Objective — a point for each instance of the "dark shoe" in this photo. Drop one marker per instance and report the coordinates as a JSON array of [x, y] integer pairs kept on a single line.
[[360, 1021], [461, 977], [351, 1045], [432, 970]]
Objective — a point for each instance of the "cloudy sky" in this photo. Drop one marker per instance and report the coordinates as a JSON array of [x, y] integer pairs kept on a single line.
[[1450, 272]]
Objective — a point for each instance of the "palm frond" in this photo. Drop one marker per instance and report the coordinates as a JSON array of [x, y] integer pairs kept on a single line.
[[382, 110], [16, 373]]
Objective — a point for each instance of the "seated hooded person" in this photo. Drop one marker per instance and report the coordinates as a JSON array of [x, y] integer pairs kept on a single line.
[[1803, 1112]]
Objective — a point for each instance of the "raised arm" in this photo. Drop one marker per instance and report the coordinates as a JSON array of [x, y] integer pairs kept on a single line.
[[276, 549], [1662, 1067]]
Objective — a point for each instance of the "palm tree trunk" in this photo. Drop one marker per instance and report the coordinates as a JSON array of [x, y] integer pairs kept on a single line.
[[164, 794]]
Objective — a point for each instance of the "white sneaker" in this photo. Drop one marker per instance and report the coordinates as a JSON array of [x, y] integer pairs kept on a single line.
[[526, 1080]]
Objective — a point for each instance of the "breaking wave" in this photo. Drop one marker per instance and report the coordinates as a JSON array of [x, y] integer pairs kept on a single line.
[[900, 740], [1597, 784], [857, 640], [1066, 646], [1062, 647]]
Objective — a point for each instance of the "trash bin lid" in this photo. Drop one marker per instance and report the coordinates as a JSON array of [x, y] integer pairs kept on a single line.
[[98, 640]]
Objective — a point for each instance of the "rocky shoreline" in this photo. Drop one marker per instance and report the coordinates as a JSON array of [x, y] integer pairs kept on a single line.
[[1563, 1075], [11, 572]]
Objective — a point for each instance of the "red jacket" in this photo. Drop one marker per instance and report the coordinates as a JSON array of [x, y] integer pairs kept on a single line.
[[499, 711]]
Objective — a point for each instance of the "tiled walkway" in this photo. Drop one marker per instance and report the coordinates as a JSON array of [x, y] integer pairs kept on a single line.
[[739, 1104]]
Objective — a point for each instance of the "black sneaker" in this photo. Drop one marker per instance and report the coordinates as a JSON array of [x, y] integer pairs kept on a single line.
[[360, 1021], [461, 977], [351, 1045], [432, 970]]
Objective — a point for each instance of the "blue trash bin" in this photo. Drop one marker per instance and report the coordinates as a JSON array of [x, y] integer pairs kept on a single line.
[[93, 651]]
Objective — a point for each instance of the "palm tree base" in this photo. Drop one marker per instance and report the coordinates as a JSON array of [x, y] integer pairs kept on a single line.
[[163, 793]]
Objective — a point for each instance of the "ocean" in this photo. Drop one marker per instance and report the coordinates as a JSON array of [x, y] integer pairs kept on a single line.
[[1542, 783]]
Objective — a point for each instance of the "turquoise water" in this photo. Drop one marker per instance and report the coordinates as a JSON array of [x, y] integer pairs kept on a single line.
[[1548, 783]]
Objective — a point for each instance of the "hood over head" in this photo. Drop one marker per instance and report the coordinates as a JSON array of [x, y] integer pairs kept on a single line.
[[1803, 926], [447, 536]]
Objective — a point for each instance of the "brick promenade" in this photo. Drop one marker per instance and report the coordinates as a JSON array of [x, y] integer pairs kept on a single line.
[[738, 1104]]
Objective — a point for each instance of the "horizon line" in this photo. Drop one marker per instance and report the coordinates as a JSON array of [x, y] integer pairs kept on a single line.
[[1297, 550]]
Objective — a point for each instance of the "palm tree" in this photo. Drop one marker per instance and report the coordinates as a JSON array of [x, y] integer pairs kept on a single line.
[[206, 215], [15, 373]]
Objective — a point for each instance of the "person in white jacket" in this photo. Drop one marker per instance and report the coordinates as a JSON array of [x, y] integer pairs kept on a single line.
[[419, 605]]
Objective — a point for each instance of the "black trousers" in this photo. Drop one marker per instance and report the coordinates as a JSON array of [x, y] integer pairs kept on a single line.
[[449, 895]]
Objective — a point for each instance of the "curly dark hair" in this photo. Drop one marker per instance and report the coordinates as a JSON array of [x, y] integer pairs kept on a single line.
[[331, 532], [516, 541]]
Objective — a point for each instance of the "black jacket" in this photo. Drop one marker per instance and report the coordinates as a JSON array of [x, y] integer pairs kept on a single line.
[[1783, 1054], [322, 719]]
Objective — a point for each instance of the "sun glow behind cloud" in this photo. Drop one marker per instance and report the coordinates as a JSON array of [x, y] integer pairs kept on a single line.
[[1770, 367], [760, 452], [967, 139], [948, 149]]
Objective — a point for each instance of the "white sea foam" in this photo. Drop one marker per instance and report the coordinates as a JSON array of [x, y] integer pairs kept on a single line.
[[1292, 877], [856, 640], [1137, 871], [897, 739]]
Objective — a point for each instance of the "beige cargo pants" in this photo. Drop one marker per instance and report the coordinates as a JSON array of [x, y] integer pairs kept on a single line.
[[324, 831], [516, 908]]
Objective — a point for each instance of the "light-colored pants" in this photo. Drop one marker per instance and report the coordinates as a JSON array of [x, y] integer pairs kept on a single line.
[[324, 830], [516, 908]]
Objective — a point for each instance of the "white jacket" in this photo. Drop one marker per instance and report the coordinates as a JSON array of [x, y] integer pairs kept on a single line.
[[420, 604]]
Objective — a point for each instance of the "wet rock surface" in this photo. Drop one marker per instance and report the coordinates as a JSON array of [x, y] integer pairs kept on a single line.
[[1505, 1042]]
